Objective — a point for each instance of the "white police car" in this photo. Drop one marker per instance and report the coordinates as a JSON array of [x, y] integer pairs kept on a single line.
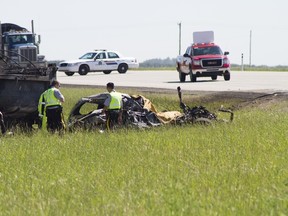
[[98, 60]]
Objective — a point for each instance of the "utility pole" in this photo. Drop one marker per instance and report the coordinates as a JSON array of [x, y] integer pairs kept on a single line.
[[250, 48], [179, 38], [242, 66]]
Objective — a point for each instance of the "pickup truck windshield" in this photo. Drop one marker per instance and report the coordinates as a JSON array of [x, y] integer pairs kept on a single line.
[[213, 50]]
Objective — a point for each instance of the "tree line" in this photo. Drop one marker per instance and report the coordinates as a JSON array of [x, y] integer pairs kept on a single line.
[[171, 62]]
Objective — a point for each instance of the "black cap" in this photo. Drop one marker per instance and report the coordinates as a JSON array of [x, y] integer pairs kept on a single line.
[[110, 85]]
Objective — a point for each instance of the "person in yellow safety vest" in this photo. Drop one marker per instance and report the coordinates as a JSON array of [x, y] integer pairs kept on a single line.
[[113, 107], [50, 108]]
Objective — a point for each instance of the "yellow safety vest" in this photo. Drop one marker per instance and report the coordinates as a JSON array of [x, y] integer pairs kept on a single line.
[[116, 100], [46, 99], [50, 99]]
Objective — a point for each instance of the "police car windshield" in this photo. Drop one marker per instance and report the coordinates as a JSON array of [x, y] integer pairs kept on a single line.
[[88, 56], [213, 50]]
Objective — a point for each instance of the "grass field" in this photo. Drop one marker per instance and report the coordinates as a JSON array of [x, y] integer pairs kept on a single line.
[[225, 169]]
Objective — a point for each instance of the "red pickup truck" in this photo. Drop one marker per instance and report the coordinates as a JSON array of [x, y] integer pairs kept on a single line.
[[203, 59]]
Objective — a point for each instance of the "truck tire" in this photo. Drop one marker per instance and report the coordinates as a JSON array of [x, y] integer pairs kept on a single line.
[[193, 77], [83, 70], [69, 73], [122, 68], [182, 77], [214, 77], [226, 76], [107, 72]]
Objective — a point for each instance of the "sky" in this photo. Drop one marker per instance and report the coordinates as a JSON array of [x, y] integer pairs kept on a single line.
[[149, 29]]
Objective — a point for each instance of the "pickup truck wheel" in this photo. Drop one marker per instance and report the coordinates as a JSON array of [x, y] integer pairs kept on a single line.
[[214, 77], [107, 72], [226, 76], [69, 73], [83, 70], [182, 77], [193, 77], [122, 68]]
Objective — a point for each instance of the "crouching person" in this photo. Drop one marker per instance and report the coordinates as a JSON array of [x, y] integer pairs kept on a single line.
[[50, 108]]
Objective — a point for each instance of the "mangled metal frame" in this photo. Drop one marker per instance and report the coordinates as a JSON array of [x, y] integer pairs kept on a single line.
[[134, 113], [199, 114]]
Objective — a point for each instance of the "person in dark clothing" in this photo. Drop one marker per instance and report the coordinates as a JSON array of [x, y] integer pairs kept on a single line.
[[54, 118], [3, 128]]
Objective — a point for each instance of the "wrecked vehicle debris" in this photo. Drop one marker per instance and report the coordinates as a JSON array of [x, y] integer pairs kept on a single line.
[[199, 114], [138, 112]]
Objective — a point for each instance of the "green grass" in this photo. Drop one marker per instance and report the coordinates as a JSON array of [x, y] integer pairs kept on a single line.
[[227, 169]]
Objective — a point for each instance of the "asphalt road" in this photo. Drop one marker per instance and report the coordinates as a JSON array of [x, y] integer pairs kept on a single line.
[[240, 81]]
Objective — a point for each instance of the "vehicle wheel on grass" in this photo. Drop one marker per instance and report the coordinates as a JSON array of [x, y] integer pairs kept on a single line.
[[69, 73], [107, 72], [226, 76], [182, 77], [83, 70], [193, 77], [214, 77], [203, 121], [122, 68]]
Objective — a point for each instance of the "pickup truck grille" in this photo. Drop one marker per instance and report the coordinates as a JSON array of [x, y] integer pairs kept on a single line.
[[28, 53], [212, 63]]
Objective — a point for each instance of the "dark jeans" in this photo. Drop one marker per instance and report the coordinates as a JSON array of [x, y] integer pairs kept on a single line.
[[3, 129], [54, 118], [112, 118]]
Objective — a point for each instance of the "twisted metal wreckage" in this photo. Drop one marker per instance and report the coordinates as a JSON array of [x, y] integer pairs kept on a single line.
[[138, 112]]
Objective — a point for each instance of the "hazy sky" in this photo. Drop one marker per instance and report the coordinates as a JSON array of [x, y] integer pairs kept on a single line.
[[149, 29]]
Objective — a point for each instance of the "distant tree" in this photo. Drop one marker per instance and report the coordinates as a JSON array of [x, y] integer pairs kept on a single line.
[[157, 62]]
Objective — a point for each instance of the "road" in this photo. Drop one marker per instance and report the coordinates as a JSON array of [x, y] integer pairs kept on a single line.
[[240, 81]]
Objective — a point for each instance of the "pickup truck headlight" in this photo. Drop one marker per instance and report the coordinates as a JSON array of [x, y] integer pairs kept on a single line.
[[226, 63], [196, 62]]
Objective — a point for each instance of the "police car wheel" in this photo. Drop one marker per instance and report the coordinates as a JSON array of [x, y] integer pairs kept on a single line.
[[83, 70], [122, 68]]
